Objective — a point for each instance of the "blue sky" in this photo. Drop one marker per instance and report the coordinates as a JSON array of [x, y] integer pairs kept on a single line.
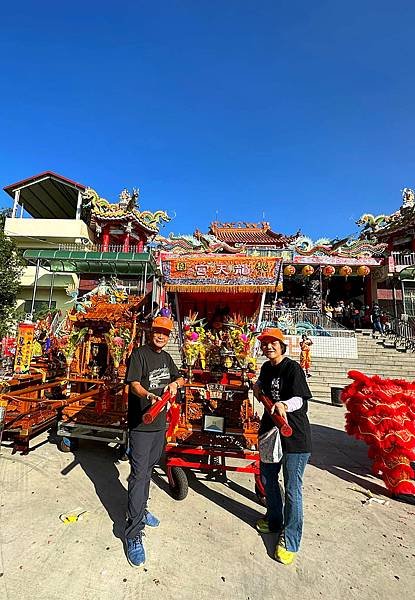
[[299, 111]]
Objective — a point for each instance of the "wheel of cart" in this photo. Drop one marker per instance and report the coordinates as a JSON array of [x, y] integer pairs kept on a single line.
[[66, 444], [179, 458], [178, 482]]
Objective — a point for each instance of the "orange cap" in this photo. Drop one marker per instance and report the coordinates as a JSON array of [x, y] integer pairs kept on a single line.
[[272, 333], [162, 323]]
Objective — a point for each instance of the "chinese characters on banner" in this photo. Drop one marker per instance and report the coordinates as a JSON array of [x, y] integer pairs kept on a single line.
[[222, 271], [24, 347]]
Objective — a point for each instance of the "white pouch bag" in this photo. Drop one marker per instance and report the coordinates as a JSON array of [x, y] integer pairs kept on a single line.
[[269, 445]]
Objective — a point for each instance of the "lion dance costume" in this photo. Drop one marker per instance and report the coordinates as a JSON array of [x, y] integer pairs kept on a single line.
[[381, 412]]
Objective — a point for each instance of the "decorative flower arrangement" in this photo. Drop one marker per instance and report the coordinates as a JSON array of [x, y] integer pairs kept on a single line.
[[195, 338], [242, 337], [69, 342], [117, 341]]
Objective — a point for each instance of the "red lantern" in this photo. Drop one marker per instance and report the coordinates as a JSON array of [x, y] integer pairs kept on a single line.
[[363, 271], [289, 271], [346, 271], [329, 271], [307, 270]]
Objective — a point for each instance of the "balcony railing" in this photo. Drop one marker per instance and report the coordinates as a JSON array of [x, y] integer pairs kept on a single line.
[[100, 248], [403, 258], [297, 321]]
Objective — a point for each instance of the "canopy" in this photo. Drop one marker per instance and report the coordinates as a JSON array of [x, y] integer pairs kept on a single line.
[[103, 263], [47, 195], [407, 274]]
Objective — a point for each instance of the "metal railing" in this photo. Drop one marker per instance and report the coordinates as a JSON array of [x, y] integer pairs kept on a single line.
[[100, 248], [401, 333], [404, 258], [295, 321]]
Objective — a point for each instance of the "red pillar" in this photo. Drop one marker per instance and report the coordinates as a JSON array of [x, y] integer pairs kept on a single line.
[[126, 242], [368, 297], [106, 238], [140, 246]]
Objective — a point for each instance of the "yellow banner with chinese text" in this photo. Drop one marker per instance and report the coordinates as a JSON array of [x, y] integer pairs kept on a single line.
[[24, 347], [227, 273]]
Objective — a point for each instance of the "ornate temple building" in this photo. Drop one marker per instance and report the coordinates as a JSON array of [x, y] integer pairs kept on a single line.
[[310, 271], [121, 226], [72, 237], [395, 282]]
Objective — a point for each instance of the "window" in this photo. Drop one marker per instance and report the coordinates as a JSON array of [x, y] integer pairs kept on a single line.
[[39, 307]]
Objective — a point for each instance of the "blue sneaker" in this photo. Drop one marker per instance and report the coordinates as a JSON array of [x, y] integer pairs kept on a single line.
[[150, 519], [136, 554]]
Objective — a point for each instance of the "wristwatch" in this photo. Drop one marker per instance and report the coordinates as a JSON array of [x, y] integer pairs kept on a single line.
[[150, 395]]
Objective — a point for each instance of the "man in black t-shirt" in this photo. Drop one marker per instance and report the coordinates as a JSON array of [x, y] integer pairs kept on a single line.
[[376, 320], [283, 381], [151, 372]]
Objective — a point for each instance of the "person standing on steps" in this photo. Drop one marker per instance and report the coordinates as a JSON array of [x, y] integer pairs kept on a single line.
[[376, 321], [305, 354], [151, 372], [283, 381]]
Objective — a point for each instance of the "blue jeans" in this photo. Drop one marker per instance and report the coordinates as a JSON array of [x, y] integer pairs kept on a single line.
[[286, 516], [377, 326]]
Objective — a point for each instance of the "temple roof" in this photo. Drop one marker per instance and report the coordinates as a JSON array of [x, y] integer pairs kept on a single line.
[[382, 226], [402, 219], [102, 309], [126, 210], [252, 234]]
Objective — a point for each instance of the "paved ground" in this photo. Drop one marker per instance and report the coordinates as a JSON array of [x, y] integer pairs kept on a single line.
[[206, 546]]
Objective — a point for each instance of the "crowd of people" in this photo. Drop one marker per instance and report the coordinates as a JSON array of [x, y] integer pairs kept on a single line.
[[351, 314], [355, 316]]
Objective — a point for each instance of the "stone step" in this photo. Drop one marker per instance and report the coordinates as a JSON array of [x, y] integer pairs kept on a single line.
[[364, 360], [330, 368], [373, 358]]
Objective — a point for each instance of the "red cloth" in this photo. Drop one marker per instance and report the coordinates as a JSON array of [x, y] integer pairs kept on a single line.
[[381, 412]]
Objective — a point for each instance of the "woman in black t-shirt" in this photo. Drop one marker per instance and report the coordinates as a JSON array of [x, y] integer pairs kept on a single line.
[[284, 382]]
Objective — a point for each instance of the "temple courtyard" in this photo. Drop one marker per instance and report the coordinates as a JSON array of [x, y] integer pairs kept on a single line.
[[206, 546]]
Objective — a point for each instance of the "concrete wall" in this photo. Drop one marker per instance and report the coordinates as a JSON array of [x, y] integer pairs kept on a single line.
[[324, 346], [60, 283], [40, 233]]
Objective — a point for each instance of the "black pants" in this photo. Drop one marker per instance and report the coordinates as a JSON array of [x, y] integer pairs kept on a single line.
[[146, 448]]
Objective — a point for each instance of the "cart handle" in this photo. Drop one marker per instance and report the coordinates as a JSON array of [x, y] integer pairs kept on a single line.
[[279, 421], [157, 407]]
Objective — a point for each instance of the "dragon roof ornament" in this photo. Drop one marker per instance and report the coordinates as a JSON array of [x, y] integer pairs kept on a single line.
[[125, 210], [345, 248], [383, 224], [198, 243]]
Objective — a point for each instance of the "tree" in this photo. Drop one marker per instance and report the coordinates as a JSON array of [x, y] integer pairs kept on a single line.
[[11, 269]]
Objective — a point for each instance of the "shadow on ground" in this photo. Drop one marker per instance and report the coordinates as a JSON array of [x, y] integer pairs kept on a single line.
[[98, 461], [343, 456]]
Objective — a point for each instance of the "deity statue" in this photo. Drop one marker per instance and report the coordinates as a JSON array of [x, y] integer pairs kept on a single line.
[[408, 197], [128, 201]]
